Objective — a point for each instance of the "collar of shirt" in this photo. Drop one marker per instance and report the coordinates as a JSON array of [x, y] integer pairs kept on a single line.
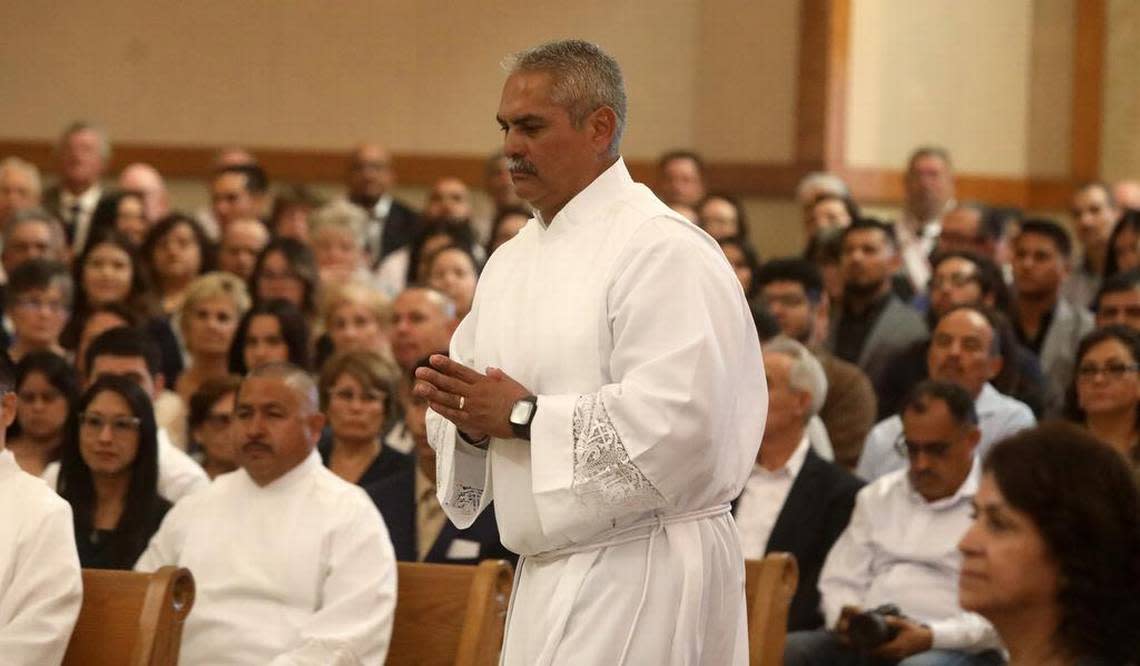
[[592, 201], [965, 492], [989, 400], [86, 201], [792, 466], [424, 485], [291, 478], [382, 207], [8, 466]]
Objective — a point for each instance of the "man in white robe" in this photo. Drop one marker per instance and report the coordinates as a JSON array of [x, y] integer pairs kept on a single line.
[[606, 391], [40, 584], [292, 565]]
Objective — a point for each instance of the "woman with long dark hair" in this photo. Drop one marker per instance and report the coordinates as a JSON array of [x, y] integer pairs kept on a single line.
[[109, 474], [176, 250], [47, 390], [270, 332], [1052, 559]]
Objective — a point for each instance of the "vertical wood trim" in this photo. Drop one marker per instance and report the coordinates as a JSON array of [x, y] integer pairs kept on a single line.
[[1089, 50], [822, 83], [838, 53]]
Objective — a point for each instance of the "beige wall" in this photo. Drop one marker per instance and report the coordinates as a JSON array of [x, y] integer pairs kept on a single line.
[[1120, 146], [954, 73], [423, 76]]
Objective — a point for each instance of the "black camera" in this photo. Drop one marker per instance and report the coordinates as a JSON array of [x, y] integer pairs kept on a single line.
[[869, 629]]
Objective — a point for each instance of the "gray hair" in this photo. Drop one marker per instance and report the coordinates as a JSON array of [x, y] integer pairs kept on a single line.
[[586, 78], [817, 183], [25, 167], [342, 216], [84, 126], [437, 298], [295, 378], [37, 216], [806, 373]]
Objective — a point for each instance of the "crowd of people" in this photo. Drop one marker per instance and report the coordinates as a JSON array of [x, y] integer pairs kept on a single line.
[[155, 352]]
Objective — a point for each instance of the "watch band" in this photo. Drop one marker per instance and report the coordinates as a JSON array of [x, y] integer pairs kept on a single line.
[[522, 430]]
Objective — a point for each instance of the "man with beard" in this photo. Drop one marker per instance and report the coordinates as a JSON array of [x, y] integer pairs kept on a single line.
[[1045, 322], [873, 324], [964, 350], [1095, 214]]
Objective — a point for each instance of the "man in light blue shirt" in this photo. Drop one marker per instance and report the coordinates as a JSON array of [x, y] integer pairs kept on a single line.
[[964, 350]]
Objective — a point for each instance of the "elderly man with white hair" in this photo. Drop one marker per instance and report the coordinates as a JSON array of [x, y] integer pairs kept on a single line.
[[794, 501]]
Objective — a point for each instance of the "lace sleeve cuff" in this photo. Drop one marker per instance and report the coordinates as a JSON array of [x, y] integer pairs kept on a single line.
[[604, 475]]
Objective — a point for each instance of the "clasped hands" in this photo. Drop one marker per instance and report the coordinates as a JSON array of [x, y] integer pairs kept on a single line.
[[478, 404]]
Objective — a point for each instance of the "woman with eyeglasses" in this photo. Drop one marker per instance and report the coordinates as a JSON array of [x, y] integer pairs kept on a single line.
[[1052, 559], [358, 395], [109, 474], [46, 392], [209, 423], [1105, 397]]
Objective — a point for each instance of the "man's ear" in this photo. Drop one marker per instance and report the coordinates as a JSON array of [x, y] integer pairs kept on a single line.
[[603, 126], [315, 422], [159, 384], [7, 410]]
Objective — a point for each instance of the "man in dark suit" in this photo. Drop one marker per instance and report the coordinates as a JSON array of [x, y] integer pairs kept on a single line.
[[83, 153], [419, 530], [370, 180], [794, 502]]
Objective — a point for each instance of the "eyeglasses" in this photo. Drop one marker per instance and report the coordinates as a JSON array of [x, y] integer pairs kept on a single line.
[[37, 304], [120, 425], [1087, 372], [348, 395], [953, 280], [912, 450]]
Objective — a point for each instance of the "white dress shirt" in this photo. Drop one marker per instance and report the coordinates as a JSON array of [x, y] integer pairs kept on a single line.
[[901, 549], [40, 584], [298, 572], [999, 416], [763, 499], [178, 474], [86, 202]]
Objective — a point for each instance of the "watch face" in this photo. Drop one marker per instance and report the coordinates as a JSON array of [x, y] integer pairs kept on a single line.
[[520, 413]]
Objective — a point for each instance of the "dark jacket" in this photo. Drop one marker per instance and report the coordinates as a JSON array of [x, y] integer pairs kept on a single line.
[[815, 513]]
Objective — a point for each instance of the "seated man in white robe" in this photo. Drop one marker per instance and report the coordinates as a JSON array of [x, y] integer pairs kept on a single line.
[[606, 391], [292, 565], [40, 585]]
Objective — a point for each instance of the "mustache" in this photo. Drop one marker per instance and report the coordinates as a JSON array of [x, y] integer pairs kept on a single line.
[[519, 165], [256, 445]]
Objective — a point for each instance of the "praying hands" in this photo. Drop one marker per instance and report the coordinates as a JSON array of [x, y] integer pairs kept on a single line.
[[478, 404]]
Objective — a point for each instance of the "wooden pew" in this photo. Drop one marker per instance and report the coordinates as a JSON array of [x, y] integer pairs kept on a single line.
[[131, 619], [768, 589], [450, 614]]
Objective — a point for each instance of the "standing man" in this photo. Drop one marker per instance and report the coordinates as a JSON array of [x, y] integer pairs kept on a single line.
[[370, 180], [1095, 213], [83, 154], [929, 196], [681, 178], [606, 390]]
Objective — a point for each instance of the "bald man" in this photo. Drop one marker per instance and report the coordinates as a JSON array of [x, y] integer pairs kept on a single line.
[[147, 181], [370, 180]]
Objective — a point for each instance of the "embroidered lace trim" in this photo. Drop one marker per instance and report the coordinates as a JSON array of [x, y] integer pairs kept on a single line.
[[604, 475], [466, 498]]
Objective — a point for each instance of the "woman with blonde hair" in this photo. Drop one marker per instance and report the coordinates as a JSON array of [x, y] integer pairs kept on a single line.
[[213, 305], [356, 317]]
